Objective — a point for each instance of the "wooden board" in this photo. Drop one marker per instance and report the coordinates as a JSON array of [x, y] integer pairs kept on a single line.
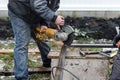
[[9, 72], [6, 51]]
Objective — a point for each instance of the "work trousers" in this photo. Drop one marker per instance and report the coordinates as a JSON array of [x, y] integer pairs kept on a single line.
[[22, 36]]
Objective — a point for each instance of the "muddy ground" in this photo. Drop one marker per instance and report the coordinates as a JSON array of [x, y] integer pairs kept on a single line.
[[97, 28]]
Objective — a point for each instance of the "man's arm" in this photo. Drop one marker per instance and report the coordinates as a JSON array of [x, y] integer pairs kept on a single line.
[[41, 8], [54, 5]]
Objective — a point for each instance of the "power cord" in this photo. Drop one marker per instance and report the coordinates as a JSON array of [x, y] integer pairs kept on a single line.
[[65, 70]]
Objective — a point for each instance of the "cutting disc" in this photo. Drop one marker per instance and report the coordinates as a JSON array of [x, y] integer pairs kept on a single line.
[[70, 39], [70, 31]]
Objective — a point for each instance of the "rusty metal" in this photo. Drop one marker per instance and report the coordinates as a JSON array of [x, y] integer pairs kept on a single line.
[[59, 70], [93, 45], [9, 72]]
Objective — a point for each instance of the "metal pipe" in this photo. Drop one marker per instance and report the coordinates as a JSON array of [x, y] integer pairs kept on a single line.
[[59, 70], [93, 45]]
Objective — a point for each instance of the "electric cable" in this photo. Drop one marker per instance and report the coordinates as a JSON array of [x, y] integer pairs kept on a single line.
[[65, 70]]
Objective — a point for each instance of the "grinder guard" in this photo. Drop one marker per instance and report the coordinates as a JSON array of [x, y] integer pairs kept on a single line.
[[70, 31]]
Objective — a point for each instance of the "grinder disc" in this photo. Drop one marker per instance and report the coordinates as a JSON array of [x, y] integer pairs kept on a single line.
[[70, 39], [70, 31]]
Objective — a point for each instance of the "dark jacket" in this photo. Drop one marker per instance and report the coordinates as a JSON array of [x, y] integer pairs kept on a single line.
[[34, 11]]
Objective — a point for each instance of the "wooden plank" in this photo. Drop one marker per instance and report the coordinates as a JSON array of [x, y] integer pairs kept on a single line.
[[41, 70], [7, 51], [85, 69]]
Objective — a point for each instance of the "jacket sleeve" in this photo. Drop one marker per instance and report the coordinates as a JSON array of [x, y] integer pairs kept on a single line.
[[42, 10], [54, 5]]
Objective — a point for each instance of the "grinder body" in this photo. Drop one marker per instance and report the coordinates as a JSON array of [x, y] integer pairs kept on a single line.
[[60, 35]]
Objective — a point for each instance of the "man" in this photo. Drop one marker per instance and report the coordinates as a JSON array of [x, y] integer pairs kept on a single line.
[[25, 16], [115, 74]]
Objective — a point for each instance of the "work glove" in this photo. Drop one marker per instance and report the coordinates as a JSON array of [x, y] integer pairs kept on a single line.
[[116, 40]]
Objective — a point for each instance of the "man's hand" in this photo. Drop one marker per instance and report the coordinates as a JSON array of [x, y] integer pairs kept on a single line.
[[42, 27], [59, 21]]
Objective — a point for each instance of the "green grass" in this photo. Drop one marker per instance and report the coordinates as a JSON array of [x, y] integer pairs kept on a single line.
[[33, 64], [40, 77], [8, 60], [10, 45]]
